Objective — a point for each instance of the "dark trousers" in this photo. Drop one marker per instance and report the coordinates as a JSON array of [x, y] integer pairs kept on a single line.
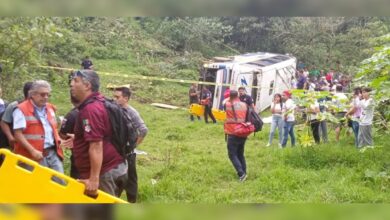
[[192, 117], [208, 112], [235, 146], [131, 187], [73, 170], [315, 127]]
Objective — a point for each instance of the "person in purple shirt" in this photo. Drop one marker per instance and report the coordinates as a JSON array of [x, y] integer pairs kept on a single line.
[[301, 84], [99, 164]]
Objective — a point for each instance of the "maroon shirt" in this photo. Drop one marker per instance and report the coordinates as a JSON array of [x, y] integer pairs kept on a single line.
[[92, 124]]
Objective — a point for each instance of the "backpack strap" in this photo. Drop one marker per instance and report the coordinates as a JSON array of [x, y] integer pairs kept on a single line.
[[234, 112]]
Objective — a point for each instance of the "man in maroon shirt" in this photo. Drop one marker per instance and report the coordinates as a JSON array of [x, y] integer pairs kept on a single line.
[[99, 164]]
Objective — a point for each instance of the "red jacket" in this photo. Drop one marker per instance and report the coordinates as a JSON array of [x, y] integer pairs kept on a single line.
[[240, 108], [34, 131]]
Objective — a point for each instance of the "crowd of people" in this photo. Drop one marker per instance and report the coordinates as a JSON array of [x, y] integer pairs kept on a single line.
[[314, 79], [355, 113], [30, 128]]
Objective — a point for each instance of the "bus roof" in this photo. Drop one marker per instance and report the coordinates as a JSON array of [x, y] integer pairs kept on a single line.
[[260, 59]]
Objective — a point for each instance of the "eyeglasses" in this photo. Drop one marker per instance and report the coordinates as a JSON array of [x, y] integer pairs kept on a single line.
[[44, 94]]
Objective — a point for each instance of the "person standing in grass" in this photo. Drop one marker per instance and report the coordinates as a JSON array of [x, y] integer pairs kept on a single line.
[[365, 123], [339, 100], [35, 128], [289, 119], [235, 113], [99, 164], [86, 63], [246, 98], [122, 96], [323, 124], [355, 112], [313, 111], [194, 98], [277, 119], [206, 101]]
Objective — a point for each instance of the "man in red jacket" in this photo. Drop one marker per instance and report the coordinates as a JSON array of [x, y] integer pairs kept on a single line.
[[235, 114], [35, 128]]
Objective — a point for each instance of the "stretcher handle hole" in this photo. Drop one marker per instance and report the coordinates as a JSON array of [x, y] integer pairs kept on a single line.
[[2, 158], [91, 196], [25, 166], [59, 180]]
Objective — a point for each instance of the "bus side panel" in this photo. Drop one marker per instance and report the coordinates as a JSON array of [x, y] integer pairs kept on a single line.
[[266, 94], [221, 78]]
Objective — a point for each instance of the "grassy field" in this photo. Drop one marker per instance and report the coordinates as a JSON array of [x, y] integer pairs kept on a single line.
[[187, 161]]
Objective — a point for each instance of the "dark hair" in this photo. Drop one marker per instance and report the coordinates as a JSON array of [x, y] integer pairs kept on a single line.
[[125, 91], [339, 88], [26, 89], [233, 94], [88, 76], [242, 88], [280, 99], [366, 89], [357, 91]]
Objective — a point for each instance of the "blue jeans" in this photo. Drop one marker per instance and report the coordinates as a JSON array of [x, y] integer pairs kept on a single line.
[[288, 130], [235, 146], [355, 129], [277, 122], [53, 161]]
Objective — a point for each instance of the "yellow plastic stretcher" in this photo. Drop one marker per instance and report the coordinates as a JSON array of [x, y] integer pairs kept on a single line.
[[19, 185], [198, 110]]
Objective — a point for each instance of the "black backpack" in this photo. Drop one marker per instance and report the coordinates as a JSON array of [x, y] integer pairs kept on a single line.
[[124, 135], [255, 119]]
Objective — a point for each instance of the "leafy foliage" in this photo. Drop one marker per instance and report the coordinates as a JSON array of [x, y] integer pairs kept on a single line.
[[375, 72]]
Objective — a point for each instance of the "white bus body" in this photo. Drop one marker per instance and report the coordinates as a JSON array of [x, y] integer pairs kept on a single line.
[[273, 73]]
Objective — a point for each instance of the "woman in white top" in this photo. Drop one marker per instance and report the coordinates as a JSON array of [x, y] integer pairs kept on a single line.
[[355, 112], [365, 123], [277, 119]]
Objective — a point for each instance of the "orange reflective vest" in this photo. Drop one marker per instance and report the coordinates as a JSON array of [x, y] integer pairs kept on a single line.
[[240, 108], [34, 131]]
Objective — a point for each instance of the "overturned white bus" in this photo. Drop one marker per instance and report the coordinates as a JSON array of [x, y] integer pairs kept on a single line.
[[262, 74]]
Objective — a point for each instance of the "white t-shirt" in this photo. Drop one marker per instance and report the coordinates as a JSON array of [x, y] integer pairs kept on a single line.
[[367, 111], [312, 86], [312, 116], [277, 108], [289, 105]]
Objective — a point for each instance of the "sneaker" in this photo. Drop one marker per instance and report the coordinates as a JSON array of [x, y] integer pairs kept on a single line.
[[243, 177], [268, 145], [280, 145]]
